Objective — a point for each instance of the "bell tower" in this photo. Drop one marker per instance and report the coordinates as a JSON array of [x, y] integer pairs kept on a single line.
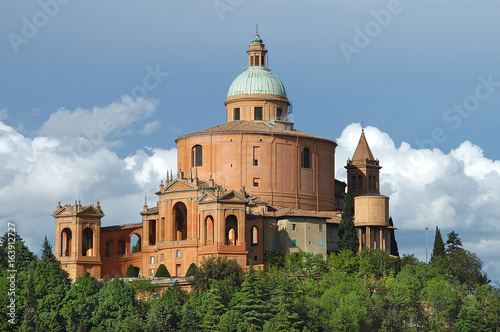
[[363, 170], [78, 230]]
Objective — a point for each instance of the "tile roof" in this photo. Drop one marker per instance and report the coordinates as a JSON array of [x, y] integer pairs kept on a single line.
[[245, 126]]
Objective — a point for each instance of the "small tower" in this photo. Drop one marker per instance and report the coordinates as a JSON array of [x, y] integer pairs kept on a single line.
[[371, 210], [363, 170], [78, 231]]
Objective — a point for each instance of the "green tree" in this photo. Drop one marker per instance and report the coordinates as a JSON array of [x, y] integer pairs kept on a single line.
[[30, 319], [191, 318], [131, 272], [162, 272], [453, 243], [218, 268], [347, 231], [394, 244], [466, 268], [80, 302], [116, 302], [25, 260], [136, 247], [250, 301], [51, 285], [214, 309], [345, 261], [191, 271], [438, 250], [159, 318], [444, 302]]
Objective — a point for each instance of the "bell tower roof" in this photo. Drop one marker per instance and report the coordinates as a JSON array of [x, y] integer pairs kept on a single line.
[[363, 154]]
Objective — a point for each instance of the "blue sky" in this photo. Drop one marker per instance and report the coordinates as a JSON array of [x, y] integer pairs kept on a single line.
[[419, 74]]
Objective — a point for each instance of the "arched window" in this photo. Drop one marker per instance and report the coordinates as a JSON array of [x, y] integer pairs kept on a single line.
[[353, 183], [255, 236], [370, 182], [197, 156], [66, 242], [360, 182], [306, 158], [236, 115], [209, 231], [135, 243], [122, 243], [231, 230], [180, 219], [88, 242], [375, 183], [109, 248]]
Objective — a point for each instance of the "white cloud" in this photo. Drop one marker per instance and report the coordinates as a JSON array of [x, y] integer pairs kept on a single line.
[[99, 123], [457, 191], [4, 115], [150, 127]]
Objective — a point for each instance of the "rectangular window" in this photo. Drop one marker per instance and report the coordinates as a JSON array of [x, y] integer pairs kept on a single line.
[[294, 242], [178, 270], [256, 155], [236, 114], [278, 113], [274, 242], [162, 258], [321, 228], [152, 260], [178, 253], [257, 113], [256, 182], [152, 272], [320, 242], [294, 227]]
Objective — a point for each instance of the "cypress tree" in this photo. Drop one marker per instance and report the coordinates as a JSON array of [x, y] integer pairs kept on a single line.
[[347, 230], [30, 320], [438, 250], [131, 272], [394, 244], [162, 272], [191, 272]]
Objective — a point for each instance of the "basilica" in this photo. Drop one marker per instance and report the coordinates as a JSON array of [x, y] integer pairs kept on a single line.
[[241, 189]]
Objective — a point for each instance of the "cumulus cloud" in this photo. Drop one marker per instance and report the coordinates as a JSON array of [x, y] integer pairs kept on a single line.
[[36, 173], [456, 191], [100, 122]]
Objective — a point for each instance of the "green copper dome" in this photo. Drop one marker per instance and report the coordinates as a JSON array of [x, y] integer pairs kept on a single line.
[[256, 80]]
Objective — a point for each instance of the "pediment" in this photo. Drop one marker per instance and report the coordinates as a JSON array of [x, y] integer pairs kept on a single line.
[[179, 185], [233, 196], [207, 198], [70, 211]]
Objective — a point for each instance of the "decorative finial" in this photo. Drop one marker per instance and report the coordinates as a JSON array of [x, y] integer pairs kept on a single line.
[[362, 125], [145, 200]]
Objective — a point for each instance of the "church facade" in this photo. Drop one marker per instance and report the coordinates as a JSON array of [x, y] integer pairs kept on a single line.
[[243, 188]]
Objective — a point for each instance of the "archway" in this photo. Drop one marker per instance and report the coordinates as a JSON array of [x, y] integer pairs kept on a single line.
[[209, 231], [231, 230], [135, 243], [66, 242], [180, 220], [88, 242]]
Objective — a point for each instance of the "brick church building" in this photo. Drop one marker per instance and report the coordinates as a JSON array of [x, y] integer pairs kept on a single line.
[[242, 188]]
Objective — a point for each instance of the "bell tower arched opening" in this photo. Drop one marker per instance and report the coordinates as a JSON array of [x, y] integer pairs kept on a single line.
[[231, 230], [88, 242]]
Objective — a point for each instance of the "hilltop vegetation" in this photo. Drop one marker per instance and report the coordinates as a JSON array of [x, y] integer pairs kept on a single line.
[[300, 292]]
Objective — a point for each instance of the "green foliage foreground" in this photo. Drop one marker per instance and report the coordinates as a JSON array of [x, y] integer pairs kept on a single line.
[[369, 291]]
